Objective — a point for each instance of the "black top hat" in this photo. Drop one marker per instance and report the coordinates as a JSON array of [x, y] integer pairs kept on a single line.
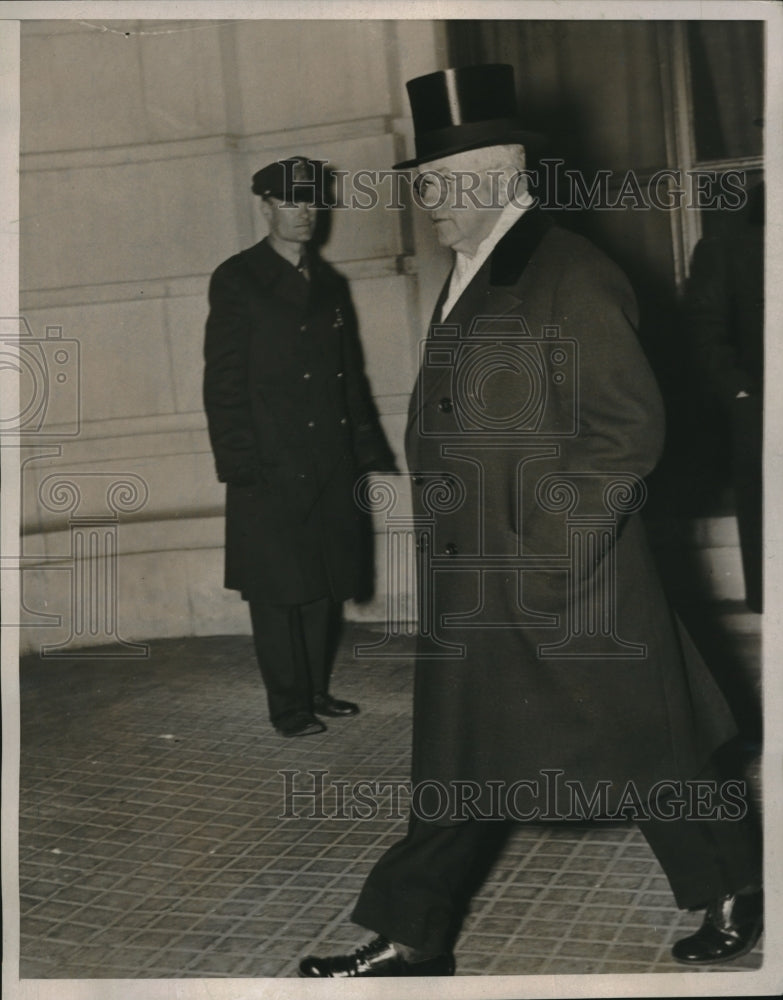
[[295, 179], [455, 110]]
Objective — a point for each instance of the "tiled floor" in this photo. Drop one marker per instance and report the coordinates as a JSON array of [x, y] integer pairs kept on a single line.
[[152, 843]]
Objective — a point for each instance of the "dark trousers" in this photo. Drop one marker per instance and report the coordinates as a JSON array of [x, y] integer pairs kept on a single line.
[[416, 893], [294, 646]]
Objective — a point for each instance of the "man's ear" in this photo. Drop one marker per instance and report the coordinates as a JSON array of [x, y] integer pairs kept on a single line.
[[266, 210]]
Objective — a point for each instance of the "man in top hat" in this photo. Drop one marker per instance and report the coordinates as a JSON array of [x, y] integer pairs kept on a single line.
[[292, 424], [552, 680]]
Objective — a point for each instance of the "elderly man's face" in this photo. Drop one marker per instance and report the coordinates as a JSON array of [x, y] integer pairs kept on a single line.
[[293, 222], [465, 195]]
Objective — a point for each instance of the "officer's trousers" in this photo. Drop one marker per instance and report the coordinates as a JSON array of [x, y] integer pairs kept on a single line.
[[294, 645]]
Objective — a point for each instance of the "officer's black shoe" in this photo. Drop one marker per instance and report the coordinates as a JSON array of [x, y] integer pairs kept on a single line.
[[299, 724], [378, 958], [325, 704], [732, 925]]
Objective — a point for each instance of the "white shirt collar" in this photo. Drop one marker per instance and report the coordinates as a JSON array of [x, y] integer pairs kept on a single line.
[[466, 268]]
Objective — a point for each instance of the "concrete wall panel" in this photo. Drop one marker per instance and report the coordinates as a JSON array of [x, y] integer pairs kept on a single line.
[[293, 73], [126, 365], [93, 224], [86, 88]]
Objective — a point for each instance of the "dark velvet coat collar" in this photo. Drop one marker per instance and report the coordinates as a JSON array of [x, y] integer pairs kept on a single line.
[[513, 252]]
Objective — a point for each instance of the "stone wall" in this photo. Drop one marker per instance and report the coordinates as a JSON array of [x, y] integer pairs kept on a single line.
[[138, 144]]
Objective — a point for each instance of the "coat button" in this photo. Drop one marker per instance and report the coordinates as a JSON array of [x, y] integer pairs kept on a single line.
[[303, 328], [301, 475], [339, 374], [417, 478], [307, 375], [451, 549], [344, 420], [311, 423], [445, 405]]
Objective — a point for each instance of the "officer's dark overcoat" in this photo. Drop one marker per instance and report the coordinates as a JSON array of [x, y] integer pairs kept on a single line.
[[598, 681], [292, 424]]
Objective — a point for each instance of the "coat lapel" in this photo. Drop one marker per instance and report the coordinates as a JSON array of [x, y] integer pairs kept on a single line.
[[514, 251], [494, 291], [444, 293], [434, 321], [275, 275]]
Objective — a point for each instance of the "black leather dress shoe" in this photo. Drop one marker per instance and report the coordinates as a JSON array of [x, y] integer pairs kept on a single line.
[[732, 925], [299, 724], [325, 704], [378, 958]]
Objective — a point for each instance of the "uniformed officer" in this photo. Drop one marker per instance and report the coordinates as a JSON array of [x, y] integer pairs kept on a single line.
[[292, 425]]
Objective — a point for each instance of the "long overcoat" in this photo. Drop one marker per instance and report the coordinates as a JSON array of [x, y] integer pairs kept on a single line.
[[292, 424], [547, 651]]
